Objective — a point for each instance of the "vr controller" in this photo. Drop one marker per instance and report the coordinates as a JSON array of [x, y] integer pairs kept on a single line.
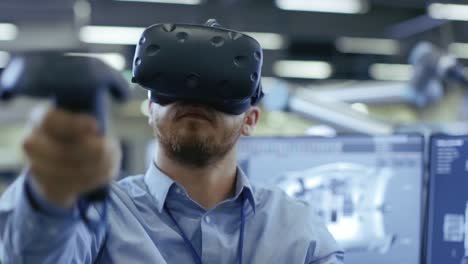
[[75, 83], [203, 64]]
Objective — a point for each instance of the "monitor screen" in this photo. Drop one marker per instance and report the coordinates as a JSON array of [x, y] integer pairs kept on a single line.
[[368, 190], [447, 226], [6, 178]]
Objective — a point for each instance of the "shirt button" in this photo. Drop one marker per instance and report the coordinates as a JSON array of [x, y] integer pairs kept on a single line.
[[207, 219]]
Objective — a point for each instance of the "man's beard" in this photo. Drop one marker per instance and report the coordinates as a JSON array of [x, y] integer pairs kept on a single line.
[[196, 151]]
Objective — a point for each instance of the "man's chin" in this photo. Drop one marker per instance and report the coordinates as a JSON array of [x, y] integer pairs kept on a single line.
[[191, 126], [193, 139], [192, 151], [192, 131], [189, 135]]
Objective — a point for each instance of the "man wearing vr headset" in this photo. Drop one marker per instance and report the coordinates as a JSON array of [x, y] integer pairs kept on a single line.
[[193, 205]]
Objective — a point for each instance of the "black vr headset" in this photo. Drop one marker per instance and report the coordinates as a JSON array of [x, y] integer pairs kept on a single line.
[[203, 64]]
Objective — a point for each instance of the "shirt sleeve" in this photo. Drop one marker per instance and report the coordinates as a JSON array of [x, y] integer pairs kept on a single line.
[[34, 231], [323, 249], [332, 258]]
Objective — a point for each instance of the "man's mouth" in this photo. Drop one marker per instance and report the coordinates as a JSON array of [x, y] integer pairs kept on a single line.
[[194, 113]]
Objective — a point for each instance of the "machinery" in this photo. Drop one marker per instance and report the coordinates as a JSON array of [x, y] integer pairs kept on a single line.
[[350, 198]]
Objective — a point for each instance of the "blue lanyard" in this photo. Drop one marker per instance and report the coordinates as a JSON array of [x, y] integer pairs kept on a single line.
[[196, 258]]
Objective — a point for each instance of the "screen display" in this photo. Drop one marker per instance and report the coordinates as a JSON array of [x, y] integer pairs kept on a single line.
[[447, 229], [368, 190], [6, 178]]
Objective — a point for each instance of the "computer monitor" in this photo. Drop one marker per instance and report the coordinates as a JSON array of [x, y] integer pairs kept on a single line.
[[368, 190], [7, 176], [447, 226]]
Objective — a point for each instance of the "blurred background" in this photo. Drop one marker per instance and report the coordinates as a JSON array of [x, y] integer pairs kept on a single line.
[[358, 86], [354, 52]]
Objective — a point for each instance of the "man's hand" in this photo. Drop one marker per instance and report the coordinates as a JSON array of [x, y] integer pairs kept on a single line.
[[69, 157]]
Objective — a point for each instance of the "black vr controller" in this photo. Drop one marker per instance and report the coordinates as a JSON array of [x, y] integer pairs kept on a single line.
[[203, 64], [75, 83]]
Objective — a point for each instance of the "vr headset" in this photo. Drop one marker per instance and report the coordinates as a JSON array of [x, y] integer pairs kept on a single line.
[[203, 64]]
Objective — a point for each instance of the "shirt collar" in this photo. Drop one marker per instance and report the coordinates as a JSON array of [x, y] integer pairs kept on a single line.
[[159, 184], [243, 186]]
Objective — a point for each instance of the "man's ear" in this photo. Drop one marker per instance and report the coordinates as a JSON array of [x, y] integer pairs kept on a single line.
[[250, 121]]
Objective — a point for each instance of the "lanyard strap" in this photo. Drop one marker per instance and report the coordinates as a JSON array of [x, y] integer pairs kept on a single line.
[[196, 258]]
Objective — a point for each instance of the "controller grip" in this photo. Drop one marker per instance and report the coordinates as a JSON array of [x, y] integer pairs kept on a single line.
[[76, 83]]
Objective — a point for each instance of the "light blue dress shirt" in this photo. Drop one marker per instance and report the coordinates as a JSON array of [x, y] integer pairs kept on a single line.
[[278, 229]]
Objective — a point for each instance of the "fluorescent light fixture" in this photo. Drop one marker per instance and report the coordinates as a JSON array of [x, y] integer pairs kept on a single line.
[[448, 11], [4, 58], [303, 69], [179, 2], [328, 6], [368, 46], [111, 35], [8, 31], [391, 72], [115, 60], [131, 35], [268, 41], [460, 50]]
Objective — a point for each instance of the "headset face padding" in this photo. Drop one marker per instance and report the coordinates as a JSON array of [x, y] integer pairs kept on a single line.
[[201, 64]]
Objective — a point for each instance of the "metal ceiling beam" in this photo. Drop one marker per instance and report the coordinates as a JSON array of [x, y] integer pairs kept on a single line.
[[250, 18]]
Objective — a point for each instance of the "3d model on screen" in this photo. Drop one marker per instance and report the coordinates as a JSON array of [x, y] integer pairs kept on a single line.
[[351, 200]]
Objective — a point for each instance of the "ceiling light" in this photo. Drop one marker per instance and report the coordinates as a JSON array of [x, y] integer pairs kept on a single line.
[[8, 31], [115, 60], [179, 2], [268, 41], [111, 35], [448, 11], [329, 6], [368, 46], [303, 69], [391, 72], [130, 36], [4, 58]]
